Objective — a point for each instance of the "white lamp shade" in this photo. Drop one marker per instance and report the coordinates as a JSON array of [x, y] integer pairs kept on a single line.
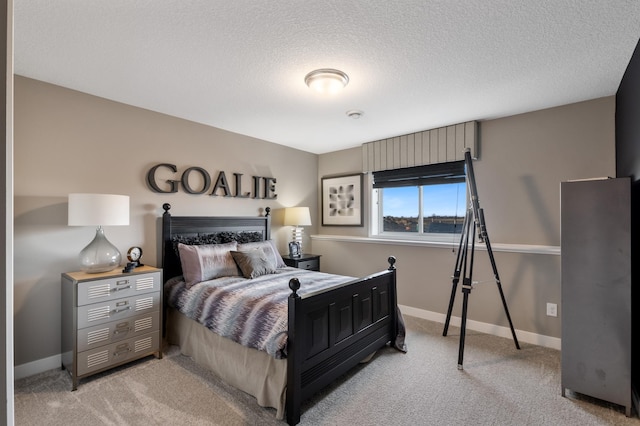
[[297, 216], [98, 210]]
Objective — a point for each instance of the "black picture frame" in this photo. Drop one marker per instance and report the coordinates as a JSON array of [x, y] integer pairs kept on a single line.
[[342, 200], [294, 249]]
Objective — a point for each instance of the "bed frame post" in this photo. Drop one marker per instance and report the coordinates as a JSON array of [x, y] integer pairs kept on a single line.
[[294, 360], [267, 214], [394, 297], [166, 228], [166, 232]]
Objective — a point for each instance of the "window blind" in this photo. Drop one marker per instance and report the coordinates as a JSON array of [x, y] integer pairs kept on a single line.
[[431, 174]]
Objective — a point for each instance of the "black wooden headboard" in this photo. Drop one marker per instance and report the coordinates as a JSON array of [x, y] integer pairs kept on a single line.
[[193, 226]]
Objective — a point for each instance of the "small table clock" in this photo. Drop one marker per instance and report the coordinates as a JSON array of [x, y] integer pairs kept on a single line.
[[133, 255]]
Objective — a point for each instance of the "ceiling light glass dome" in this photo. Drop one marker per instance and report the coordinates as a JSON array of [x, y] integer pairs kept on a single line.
[[326, 80]]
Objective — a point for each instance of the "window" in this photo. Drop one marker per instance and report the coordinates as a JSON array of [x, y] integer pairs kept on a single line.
[[425, 201]]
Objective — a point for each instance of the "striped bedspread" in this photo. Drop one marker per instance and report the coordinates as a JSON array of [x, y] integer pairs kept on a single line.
[[252, 312]]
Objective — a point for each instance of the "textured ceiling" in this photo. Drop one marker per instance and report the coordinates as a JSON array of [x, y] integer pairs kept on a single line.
[[413, 64]]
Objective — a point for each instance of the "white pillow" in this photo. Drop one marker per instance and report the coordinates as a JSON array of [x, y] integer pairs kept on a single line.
[[206, 262]]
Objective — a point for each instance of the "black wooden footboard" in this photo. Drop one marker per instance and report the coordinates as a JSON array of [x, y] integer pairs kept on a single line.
[[332, 331]]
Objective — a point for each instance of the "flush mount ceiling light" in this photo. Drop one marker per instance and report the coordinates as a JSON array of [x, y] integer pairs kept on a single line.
[[326, 80]]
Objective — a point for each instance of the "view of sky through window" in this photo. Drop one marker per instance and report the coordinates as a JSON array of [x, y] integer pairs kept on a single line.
[[438, 200]]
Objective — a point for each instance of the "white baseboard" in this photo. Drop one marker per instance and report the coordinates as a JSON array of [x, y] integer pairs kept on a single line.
[[483, 327], [38, 366]]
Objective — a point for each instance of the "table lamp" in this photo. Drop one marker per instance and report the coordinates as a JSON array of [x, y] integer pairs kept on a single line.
[[99, 210], [297, 217]]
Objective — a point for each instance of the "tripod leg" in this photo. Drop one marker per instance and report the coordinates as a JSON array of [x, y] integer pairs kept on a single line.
[[497, 276], [456, 273], [454, 287], [466, 288]]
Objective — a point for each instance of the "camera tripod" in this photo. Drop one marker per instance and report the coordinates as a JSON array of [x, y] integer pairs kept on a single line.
[[465, 257]]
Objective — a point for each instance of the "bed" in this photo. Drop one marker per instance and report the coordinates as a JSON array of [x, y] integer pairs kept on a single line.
[[326, 331]]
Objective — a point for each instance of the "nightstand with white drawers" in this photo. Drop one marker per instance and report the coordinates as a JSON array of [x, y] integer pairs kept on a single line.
[[109, 319]]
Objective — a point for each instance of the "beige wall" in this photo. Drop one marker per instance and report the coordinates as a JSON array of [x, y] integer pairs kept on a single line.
[[66, 141], [522, 160]]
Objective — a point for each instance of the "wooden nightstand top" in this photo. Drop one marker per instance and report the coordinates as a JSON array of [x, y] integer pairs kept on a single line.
[[82, 276], [303, 256]]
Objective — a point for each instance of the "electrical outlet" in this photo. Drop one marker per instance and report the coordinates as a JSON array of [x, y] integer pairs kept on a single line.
[[552, 310]]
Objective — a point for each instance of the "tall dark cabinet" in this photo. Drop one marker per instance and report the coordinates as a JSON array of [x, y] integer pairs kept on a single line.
[[596, 289]]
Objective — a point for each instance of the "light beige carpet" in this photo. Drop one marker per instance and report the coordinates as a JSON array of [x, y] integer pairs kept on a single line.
[[498, 386]]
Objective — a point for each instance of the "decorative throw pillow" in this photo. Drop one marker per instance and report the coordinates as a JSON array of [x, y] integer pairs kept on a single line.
[[269, 249], [253, 263], [206, 262]]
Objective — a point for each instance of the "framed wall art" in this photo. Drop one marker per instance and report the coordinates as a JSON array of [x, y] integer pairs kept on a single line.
[[342, 200]]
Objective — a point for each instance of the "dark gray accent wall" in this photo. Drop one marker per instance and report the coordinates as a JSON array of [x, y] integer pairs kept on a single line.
[[627, 120], [628, 164]]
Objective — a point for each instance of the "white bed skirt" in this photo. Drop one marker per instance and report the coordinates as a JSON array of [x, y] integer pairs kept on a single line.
[[250, 370]]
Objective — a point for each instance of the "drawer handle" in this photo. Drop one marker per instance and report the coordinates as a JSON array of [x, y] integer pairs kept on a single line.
[[122, 351], [122, 330], [115, 311], [121, 288]]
